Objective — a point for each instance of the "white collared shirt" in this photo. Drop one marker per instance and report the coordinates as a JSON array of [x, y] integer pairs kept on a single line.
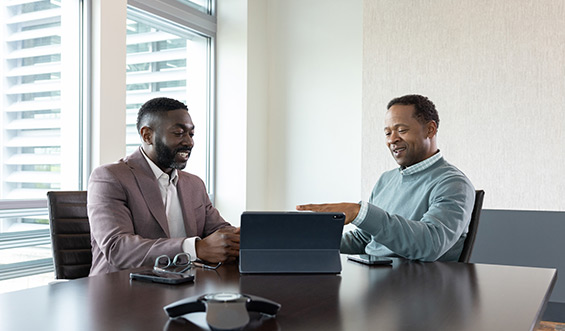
[[422, 165], [176, 221]]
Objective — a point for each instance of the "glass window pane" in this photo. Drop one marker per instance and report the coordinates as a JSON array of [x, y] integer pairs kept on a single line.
[[172, 63], [25, 247], [36, 112], [202, 5], [39, 125]]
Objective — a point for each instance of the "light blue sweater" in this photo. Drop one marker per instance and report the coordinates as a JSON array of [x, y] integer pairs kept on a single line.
[[423, 216]]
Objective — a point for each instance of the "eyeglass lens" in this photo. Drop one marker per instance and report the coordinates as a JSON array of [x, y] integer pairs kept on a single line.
[[181, 259]]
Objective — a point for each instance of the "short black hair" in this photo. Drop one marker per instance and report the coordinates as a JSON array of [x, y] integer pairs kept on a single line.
[[157, 106], [425, 110]]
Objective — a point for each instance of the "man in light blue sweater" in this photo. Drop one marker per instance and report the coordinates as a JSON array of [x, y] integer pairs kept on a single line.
[[419, 211]]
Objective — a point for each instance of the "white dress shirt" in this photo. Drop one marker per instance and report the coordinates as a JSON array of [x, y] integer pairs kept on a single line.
[[169, 194]]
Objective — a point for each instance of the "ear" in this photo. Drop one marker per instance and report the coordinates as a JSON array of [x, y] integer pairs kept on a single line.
[[431, 128], [146, 134]]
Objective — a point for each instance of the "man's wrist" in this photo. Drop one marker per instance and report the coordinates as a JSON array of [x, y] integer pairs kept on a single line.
[[189, 246], [363, 208]]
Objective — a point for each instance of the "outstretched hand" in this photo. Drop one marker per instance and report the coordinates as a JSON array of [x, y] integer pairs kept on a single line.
[[349, 209], [220, 246]]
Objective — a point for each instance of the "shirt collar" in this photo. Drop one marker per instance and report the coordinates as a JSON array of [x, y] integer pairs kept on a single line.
[[422, 165], [158, 172]]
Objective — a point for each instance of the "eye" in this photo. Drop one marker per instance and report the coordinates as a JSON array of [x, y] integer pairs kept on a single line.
[[402, 130], [387, 133], [178, 134]]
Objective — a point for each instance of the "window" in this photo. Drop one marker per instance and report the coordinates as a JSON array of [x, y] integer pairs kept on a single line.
[[40, 126], [42, 142], [168, 59], [204, 6]]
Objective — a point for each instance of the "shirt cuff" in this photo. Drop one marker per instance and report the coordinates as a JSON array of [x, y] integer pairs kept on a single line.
[[189, 246], [362, 213]]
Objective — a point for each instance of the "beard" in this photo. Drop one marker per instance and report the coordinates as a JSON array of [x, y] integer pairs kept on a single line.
[[166, 156]]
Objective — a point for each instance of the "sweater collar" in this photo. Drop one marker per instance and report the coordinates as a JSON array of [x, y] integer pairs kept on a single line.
[[422, 165]]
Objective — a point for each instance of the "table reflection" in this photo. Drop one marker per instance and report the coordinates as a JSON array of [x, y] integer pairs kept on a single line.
[[414, 295], [304, 297]]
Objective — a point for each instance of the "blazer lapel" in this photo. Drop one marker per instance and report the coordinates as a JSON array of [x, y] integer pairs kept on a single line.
[[149, 188]]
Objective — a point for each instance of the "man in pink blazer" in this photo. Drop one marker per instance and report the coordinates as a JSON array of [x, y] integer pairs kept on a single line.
[[136, 217]]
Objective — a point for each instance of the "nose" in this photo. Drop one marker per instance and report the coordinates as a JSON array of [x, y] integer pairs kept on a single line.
[[392, 138], [188, 141]]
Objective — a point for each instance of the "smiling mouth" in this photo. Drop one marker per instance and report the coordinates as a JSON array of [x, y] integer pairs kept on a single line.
[[183, 154], [398, 150]]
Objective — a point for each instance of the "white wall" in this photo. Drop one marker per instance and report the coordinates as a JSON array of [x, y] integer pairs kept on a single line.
[[231, 113], [315, 101], [496, 72], [288, 102], [290, 73]]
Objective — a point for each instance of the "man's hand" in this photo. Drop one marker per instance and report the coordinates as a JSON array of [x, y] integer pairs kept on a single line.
[[349, 209], [220, 246]]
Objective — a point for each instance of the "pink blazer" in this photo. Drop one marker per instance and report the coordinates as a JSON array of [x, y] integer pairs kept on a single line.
[[127, 217]]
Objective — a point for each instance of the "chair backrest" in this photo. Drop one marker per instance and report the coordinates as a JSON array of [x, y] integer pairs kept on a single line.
[[70, 233], [473, 226]]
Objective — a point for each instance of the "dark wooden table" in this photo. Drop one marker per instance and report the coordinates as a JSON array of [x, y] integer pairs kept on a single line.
[[407, 296]]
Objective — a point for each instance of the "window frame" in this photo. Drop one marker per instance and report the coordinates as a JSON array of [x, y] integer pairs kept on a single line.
[[21, 208], [189, 16]]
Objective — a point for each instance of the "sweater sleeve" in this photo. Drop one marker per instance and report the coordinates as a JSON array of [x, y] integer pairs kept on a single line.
[[428, 238]]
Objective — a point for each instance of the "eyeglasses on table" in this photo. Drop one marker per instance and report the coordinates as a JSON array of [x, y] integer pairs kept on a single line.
[[181, 263]]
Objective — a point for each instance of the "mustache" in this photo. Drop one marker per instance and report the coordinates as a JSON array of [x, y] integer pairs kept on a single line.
[[182, 149]]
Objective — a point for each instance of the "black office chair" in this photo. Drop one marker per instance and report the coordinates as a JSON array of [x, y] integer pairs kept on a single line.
[[70, 233], [473, 226]]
